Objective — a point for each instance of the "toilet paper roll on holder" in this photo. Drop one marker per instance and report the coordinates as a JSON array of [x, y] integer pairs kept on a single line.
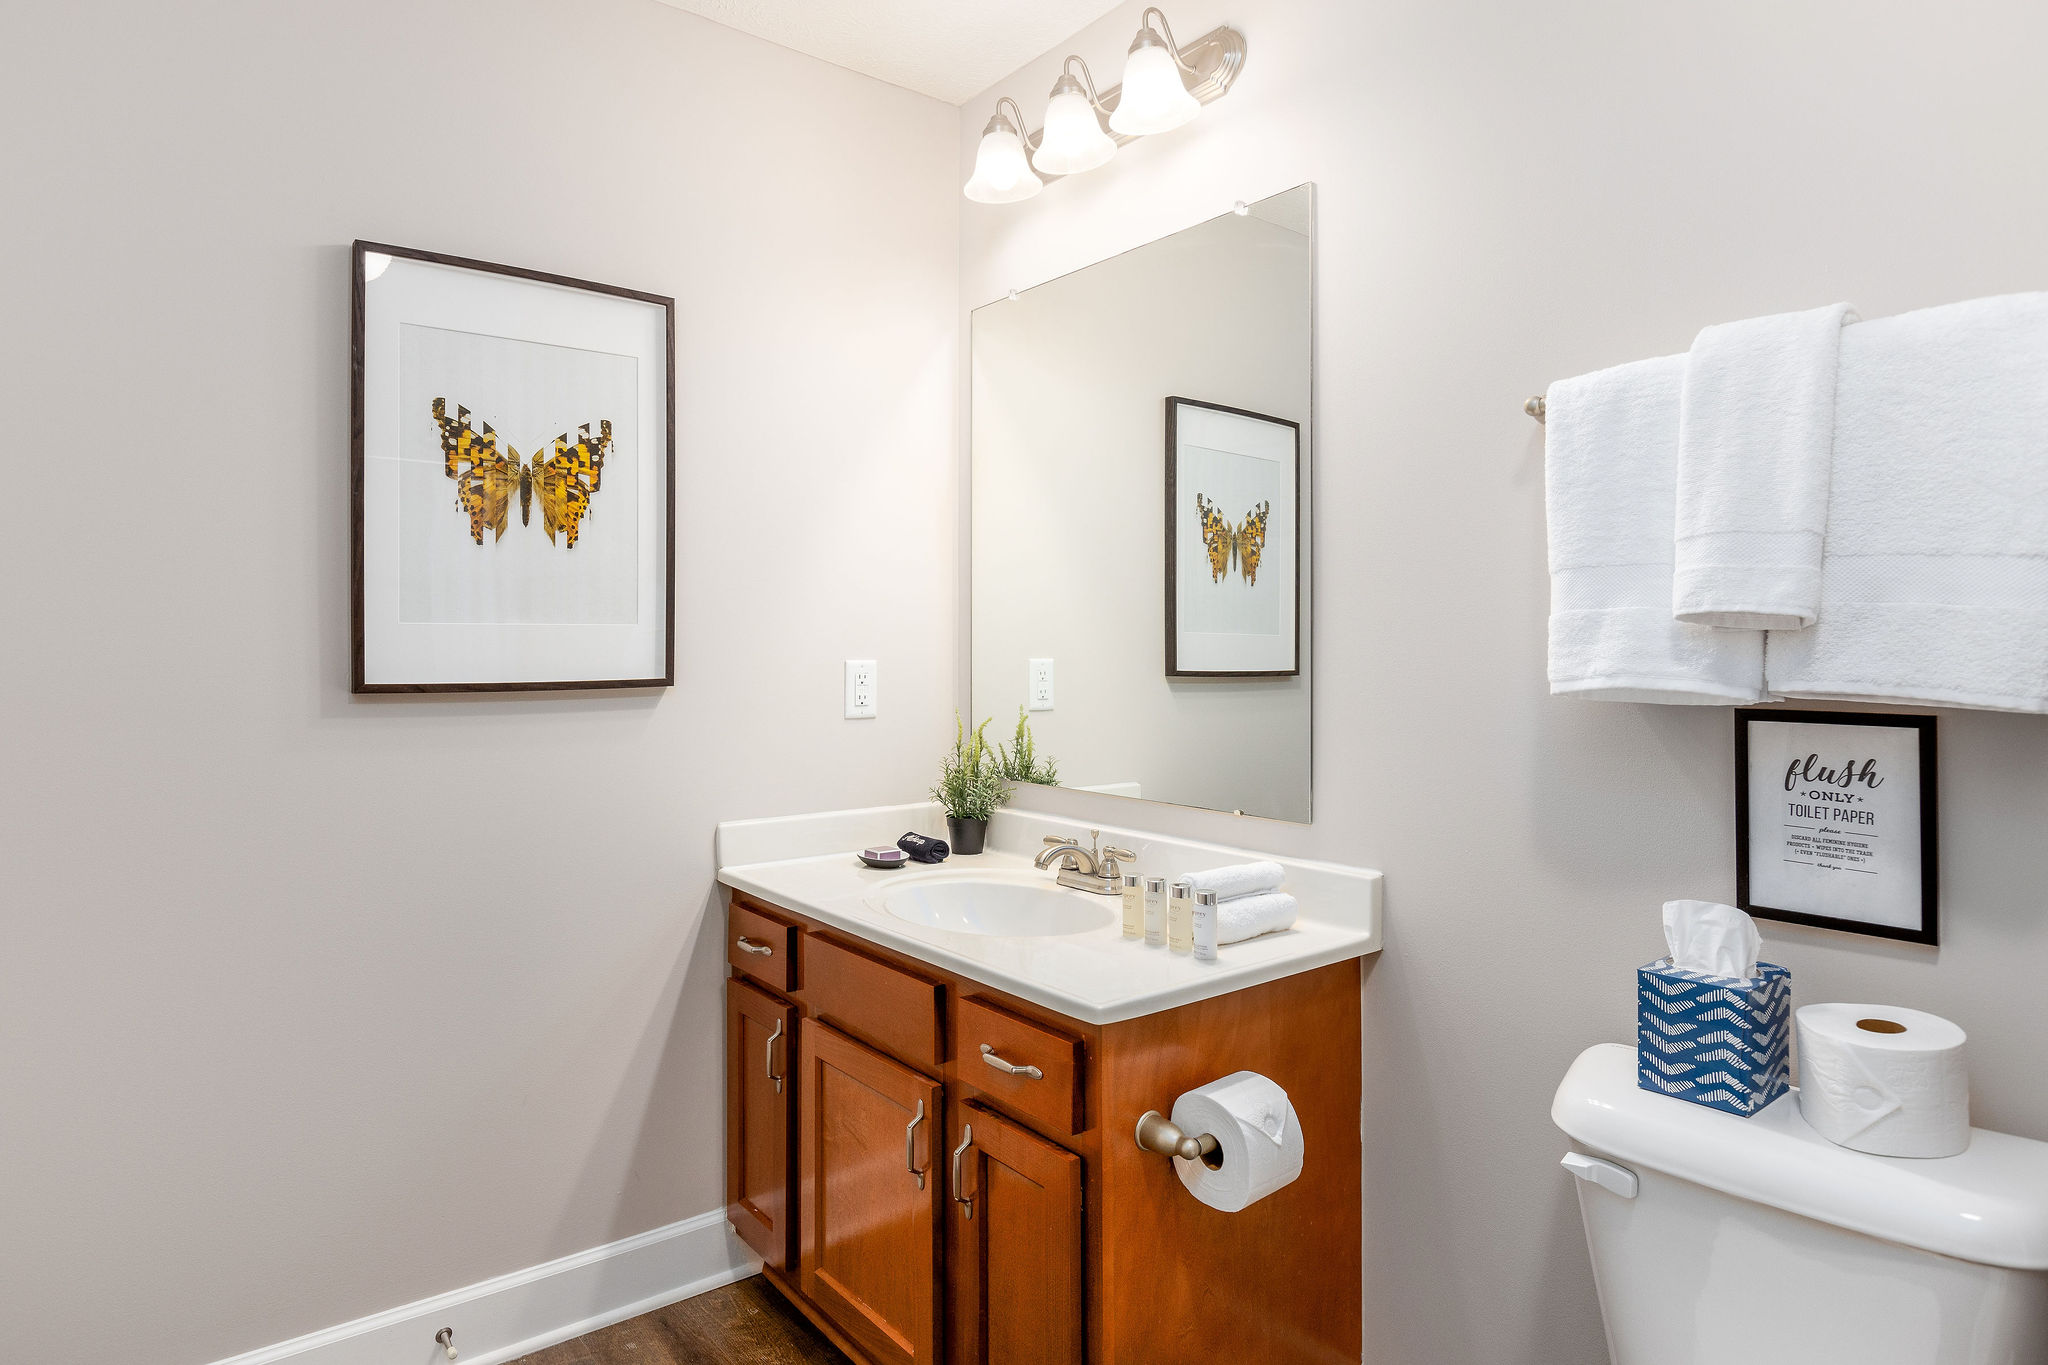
[[1158, 1133]]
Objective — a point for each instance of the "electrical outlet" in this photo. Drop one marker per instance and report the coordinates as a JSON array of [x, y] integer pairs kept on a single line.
[[860, 689], [1041, 685]]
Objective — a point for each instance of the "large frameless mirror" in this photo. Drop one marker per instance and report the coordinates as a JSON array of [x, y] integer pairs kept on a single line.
[[1141, 492]]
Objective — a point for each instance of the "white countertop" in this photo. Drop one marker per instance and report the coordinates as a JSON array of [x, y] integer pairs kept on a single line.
[[1097, 976]]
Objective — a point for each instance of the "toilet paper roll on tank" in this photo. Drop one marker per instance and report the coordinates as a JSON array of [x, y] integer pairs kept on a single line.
[[1259, 1144], [1884, 1080]]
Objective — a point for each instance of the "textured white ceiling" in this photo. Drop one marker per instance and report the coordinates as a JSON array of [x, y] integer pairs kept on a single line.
[[948, 49]]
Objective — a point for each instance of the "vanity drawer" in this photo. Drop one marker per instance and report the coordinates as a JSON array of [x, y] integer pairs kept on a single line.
[[761, 946], [991, 1040], [896, 1010]]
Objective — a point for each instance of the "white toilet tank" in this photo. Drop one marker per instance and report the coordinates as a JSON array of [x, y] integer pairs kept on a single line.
[[1719, 1240]]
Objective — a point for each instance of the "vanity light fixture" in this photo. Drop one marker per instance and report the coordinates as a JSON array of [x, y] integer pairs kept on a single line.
[[1164, 86], [1002, 168], [1154, 98], [1073, 140]]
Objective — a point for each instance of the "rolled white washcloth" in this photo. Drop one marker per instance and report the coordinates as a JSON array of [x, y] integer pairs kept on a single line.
[[1249, 916], [1239, 879]]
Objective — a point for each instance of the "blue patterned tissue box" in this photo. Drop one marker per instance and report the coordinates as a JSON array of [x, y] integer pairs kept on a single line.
[[1721, 1041]]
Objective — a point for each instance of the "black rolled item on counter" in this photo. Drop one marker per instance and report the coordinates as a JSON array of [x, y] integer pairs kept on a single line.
[[923, 848]]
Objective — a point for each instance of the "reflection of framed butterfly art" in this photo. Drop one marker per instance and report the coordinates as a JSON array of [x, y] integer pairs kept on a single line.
[[1233, 542], [514, 458]]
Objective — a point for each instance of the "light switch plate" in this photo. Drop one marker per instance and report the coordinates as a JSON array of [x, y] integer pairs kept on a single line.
[[860, 689], [1041, 685]]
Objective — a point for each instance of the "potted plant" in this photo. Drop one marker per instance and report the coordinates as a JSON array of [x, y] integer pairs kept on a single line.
[[970, 787], [1021, 763]]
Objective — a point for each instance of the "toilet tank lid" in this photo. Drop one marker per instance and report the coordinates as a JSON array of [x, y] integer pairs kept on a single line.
[[1989, 1205]]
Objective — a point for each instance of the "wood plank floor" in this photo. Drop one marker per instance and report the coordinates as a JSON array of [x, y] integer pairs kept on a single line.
[[746, 1323]]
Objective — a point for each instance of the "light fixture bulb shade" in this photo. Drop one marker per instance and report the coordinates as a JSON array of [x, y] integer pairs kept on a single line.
[[1154, 99], [1074, 140], [1002, 170]]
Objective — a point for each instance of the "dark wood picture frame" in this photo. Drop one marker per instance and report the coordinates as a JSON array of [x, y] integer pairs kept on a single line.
[[1929, 931], [1173, 668], [357, 342]]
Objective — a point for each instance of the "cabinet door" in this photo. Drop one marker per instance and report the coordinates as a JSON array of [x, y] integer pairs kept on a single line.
[[1015, 1264], [760, 1041], [870, 1137]]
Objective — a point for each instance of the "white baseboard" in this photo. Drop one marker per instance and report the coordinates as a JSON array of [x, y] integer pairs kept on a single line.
[[529, 1310]]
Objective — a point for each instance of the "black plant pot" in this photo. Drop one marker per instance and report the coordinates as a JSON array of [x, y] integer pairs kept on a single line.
[[966, 836]]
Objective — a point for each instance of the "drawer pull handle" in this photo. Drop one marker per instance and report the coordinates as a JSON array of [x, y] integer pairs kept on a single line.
[[965, 1201], [1032, 1073], [748, 945], [770, 1063], [910, 1144]]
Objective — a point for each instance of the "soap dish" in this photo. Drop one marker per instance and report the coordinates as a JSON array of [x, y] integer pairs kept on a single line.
[[884, 856]]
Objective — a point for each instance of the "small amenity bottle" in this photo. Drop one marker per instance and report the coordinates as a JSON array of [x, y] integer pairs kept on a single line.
[[1134, 906], [1205, 926], [1155, 912], [1180, 918]]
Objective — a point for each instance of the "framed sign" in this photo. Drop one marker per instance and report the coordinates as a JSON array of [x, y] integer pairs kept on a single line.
[[513, 448], [1233, 542], [1835, 821]]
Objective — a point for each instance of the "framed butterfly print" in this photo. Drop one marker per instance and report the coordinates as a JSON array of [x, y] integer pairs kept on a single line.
[[513, 450], [1233, 542]]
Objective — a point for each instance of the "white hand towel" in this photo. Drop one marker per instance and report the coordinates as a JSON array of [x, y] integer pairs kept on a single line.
[[1756, 436], [1249, 916], [1611, 490], [1239, 879], [1935, 585]]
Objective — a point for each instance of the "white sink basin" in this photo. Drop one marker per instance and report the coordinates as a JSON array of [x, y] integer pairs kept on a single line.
[[999, 908]]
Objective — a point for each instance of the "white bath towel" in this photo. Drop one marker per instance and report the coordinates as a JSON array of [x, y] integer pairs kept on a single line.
[[1611, 492], [1935, 585], [1756, 436], [1239, 879], [1249, 916]]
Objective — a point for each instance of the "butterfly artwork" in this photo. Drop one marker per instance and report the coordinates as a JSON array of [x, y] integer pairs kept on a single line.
[[486, 476], [1233, 544]]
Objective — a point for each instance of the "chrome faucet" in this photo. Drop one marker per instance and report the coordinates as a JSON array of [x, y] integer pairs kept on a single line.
[[1095, 868]]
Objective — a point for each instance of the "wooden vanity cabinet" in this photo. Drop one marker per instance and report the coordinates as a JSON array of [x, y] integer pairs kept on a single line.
[[960, 1182], [871, 1131], [1014, 1267], [760, 1042]]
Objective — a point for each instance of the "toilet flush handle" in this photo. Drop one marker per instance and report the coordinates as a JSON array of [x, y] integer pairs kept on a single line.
[[1606, 1174]]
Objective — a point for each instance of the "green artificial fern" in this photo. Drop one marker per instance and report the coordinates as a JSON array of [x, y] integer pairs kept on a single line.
[[1021, 763], [970, 784]]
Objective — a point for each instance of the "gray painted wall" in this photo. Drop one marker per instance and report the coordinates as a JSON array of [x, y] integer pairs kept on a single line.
[[1508, 194], [312, 1006]]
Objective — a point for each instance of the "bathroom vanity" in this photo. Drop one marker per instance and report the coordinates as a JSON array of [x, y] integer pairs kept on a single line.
[[931, 1105]]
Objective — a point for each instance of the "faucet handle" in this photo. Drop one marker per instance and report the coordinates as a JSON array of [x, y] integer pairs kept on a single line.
[[1054, 839], [1110, 859]]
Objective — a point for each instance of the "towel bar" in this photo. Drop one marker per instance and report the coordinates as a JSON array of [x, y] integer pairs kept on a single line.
[[1536, 407]]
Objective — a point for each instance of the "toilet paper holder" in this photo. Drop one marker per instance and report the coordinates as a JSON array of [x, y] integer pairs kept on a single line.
[[1158, 1133]]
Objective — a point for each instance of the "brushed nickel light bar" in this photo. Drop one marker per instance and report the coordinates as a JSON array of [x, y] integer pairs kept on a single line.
[[1164, 87]]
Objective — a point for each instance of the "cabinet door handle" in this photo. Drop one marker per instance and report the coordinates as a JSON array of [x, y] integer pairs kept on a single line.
[[748, 945], [910, 1144], [1029, 1073], [770, 1063], [965, 1201]]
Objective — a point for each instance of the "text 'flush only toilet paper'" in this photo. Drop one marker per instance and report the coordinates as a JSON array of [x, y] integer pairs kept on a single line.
[[1882, 1080], [1258, 1140]]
